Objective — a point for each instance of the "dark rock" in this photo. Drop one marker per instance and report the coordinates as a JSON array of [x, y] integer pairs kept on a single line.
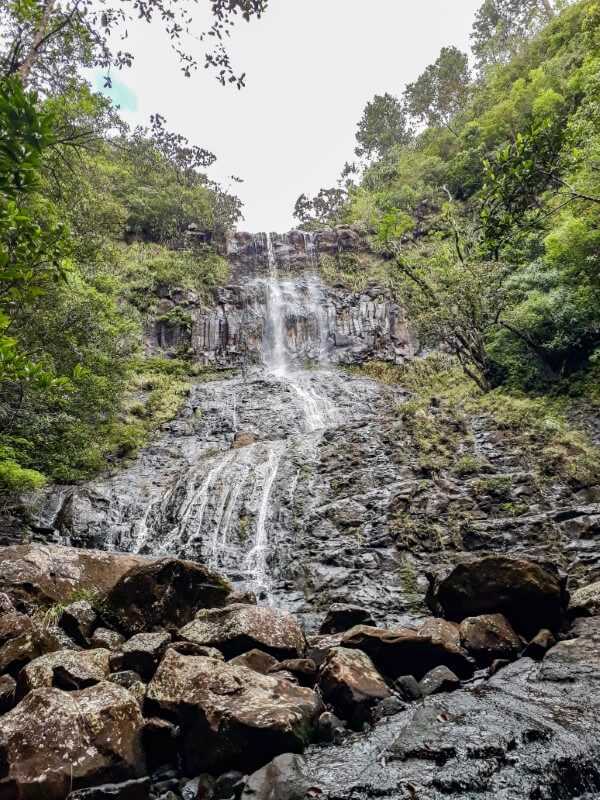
[[303, 669], [104, 637], [66, 669], [163, 594], [257, 660], [531, 731], [530, 595], [403, 651], [191, 649], [13, 625], [129, 790], [407, 686], [17, 652], [143, 652], [54, 742], [8, 688], [330, 728], [342, 617], [539, 645], [236, 629], [6, 604], [78, 620], [230, 716], [440, 679], [489, 637], [161, 742], [229, 784], [350, 683], [389, 707], [282, 779]]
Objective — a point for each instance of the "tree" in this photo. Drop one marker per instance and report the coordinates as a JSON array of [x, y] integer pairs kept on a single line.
[[501, 27], [383, 124], [322, 210], [442, 90], [45, 42]]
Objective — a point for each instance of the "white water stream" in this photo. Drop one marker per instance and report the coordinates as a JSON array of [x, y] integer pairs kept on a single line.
[[222, 507]]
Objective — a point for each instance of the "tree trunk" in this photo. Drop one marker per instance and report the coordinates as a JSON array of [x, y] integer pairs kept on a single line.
[[27, 64]]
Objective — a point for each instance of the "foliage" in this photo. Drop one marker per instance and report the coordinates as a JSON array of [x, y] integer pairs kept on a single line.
[[442, 90], [45, 42], [323, 210], [501, 27], [383, 125]]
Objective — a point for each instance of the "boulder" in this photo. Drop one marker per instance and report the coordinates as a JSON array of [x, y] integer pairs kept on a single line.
[[330, 728], [132, 682], [539, 645], [13, 625], [78, 620], [403, 651], [350, 683], [164, 594], [17, 652], [489, 637], [342, 616], [8, 688], [236, 629], [143, 651], [54, 742], [303, 669], [585, 602], [230, 716], [257, 660], [104, 637], [440, 679], [319, 646], [191, 649], [32, 574], [282, 779], [530, 595], [248, 598], [243, 439], [407, 686], [161, 742], [65, 669]]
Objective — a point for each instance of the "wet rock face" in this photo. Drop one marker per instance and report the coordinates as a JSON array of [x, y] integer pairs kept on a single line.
[[231, 715], [531, 731]]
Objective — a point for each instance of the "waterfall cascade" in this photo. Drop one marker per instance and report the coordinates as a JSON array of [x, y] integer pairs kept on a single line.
[[253, 476]]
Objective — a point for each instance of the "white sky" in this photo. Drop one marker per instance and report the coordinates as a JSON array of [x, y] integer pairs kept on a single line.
[[311, 66]]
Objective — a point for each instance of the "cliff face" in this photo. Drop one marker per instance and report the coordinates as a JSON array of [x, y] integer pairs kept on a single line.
[[349, 327]]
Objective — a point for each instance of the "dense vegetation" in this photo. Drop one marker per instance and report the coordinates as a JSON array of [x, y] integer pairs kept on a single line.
[[95, 223], [481, 193]]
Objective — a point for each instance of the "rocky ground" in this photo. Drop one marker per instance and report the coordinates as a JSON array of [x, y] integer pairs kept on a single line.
[[129, 677]]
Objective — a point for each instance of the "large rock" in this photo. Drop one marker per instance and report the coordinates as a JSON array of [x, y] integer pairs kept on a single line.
[[341, 617], [47, 574], [163, 594], [351, 684], [531, 731], [530, 595], [489, 637], [230, 716], [78, 620], [54, 742], [65, 669], [403, 651], [236, 629], [143, 651], [585, 602], [8, 689], [282, 779]]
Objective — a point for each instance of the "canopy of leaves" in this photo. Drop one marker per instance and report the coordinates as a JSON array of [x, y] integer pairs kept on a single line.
[[384, 123]]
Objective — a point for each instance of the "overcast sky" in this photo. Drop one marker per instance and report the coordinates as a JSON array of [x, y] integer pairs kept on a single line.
[[311, 66]]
